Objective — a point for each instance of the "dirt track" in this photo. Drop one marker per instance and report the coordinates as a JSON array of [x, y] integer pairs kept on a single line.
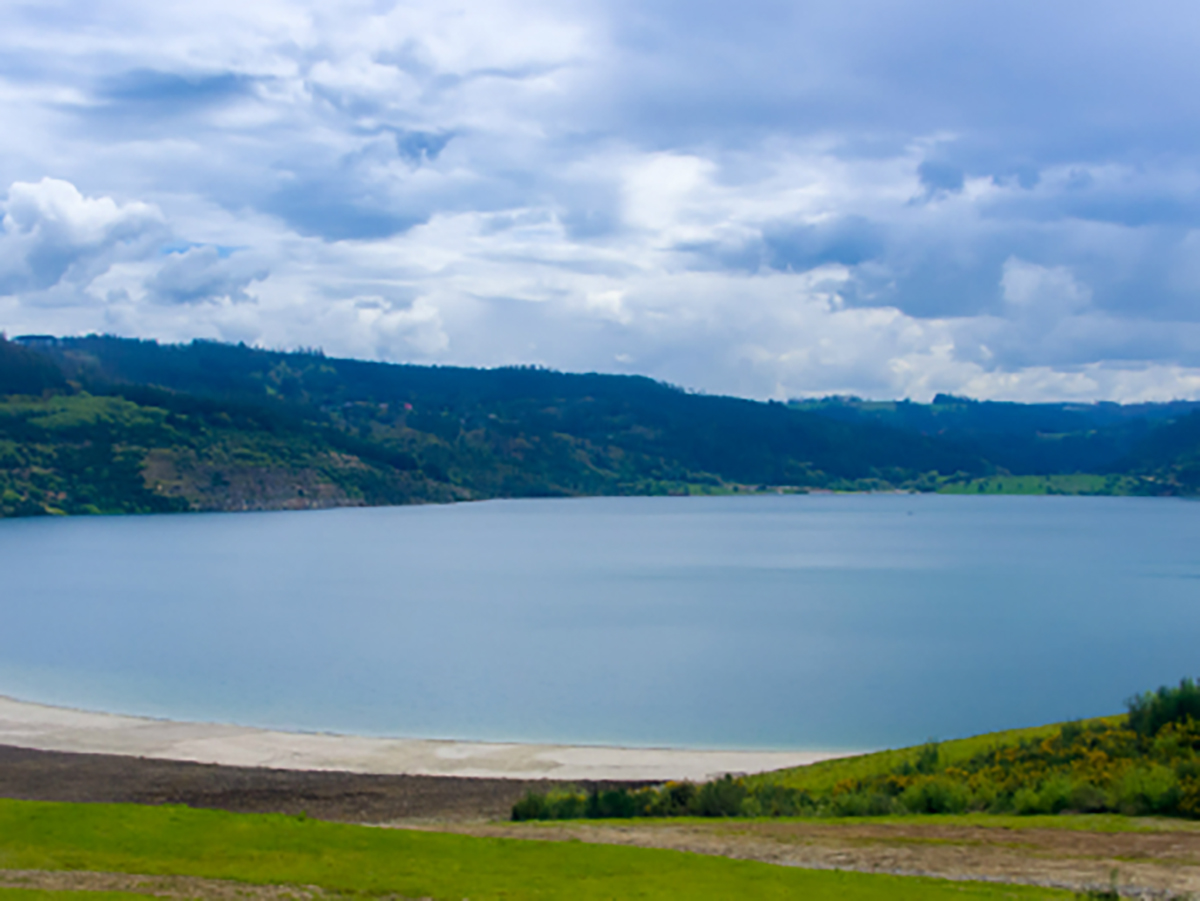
[[188, 887]]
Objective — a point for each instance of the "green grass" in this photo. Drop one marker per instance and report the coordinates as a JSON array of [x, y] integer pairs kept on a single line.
[[822, 777], [275, 849]]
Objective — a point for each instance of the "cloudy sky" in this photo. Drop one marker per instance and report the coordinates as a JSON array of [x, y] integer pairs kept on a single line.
[[772, 199]]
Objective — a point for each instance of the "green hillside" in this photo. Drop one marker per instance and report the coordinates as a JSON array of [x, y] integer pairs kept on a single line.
[[1032, 440], [1146, 762], [111, 425]]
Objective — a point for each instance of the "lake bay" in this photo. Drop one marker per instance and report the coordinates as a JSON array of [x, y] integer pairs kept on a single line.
[[798, 622]]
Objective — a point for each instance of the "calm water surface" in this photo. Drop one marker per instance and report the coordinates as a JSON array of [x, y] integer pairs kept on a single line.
[[788, 622]]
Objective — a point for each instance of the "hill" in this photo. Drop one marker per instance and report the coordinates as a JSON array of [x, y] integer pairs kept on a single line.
[[104, 424], [1144, 763], [1169, 456], [217, 426], [1021, 439]]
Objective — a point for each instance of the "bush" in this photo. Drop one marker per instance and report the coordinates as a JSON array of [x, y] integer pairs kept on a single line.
[[1026, 801], [1088, 798], [1153, 789], [558, 805], [935, 795], [1055, 794], [672, 800], [1149, 712], [720, 798], [926, 763], [771, 800], [531, 807], [618, 804], [565, 806], [862, 804]]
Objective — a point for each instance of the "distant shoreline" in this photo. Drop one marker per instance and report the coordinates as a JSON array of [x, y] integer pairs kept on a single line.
[[45, 728], [970, 491]]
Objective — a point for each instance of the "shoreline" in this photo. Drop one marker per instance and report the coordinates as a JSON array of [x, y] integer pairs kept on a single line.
[[41, 727]]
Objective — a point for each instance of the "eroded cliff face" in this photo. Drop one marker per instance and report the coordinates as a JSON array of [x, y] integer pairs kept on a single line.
[[208, 485]]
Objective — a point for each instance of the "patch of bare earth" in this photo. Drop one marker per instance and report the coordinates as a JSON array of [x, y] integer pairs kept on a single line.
[[170, 886], [157, 886], [1160, 864]]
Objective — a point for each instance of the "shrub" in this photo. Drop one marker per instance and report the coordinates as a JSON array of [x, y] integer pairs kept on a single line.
[[1055, 794], [1026, 801], [531, 807], [1087, 798], [1149, 712], [929, 758], [1189, 797], [557, 805], [1178, 740], [565, 806], [935, 795], [862, 804], [617, 804], [672, 800], [773, 800], [720, 798], [1153, 789], [925, 763]]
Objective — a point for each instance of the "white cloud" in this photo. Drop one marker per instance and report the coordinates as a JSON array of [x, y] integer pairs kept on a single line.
[[53, 234], [766, 200], [203, 274], [1042, 296]]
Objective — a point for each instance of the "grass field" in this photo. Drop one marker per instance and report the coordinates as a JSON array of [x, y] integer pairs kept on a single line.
[[343, 859]]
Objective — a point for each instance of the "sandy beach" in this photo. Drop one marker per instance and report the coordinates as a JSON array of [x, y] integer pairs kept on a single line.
[[45, 728]]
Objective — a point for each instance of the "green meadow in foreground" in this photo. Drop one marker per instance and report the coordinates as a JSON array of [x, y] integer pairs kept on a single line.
[[281, 850]]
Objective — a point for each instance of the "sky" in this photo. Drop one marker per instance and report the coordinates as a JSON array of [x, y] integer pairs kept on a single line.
[[768, 199]]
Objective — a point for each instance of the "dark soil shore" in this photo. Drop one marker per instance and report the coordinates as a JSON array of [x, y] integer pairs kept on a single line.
[[344, 797]]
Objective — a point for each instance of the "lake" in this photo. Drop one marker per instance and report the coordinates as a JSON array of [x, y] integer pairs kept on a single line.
[[791, 622]]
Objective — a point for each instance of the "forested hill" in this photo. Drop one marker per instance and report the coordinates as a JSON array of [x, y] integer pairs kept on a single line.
[[101, 424], [112, 424], [1024, 439], [1157, 446]]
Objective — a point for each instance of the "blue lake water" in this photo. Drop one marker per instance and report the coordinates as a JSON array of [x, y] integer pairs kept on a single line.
[[774, 622]]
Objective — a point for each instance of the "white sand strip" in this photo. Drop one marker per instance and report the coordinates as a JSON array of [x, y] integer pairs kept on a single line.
[[46, 728]]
